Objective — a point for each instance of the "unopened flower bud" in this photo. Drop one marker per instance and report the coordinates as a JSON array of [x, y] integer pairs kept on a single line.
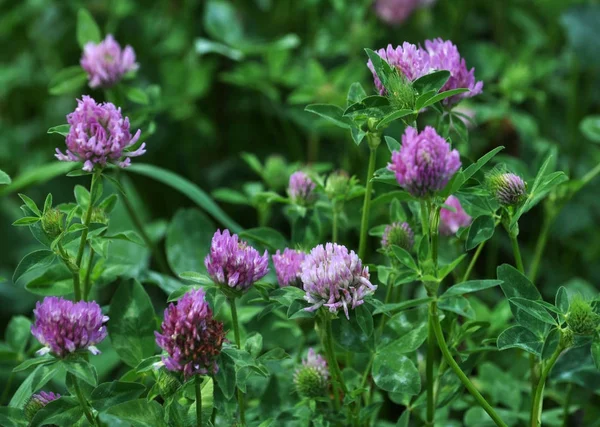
[[398, 234], [311, 379], [275, 172], [338, 184], [99, 216], [507, 188], [53, 222], [400, 92], [37, 402], [581, 318], [301, 188], [167, 383]]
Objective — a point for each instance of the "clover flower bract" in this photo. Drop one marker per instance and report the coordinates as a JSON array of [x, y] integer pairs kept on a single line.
[[334, 277], [399, 234], [234, 263], [311, 379], [99, 134], [64, 326]]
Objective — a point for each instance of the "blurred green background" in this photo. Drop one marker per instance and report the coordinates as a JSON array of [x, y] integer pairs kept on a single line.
[[227, 78]]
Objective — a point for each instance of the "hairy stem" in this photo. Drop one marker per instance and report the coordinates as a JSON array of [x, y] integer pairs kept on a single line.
[[236, 333], [437, 328], [198, 382], [538, 400], [517, 252], [429, 371], [334, 226], [83, 402], [374, 140]]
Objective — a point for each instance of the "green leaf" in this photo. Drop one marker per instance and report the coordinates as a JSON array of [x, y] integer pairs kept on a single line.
[[204, 46], [266, 236], [188, 240], [12, 417], [200, 278], [516, 285], [386, 198], [457, 304], [139, 413], [67, 81], [596, 353], [107, 395], [349, 335], [409, 342], [398, 114], [371, 106], [30, 204], [35, 381], [81, 369], [470, 286], [36, 259], [392, 144], [189, 189], [431, 82], [590, 127], [131, 326], [225, 377], [535, 309], [395, 373], [62, 130], [331, 113], [87, 29], [481, 230], [398, 307], [471, 170], [449, 268], [222, 22], [443, 95], [65, 411], [128, 236], [37, 175], [44, 360], [520, 337], [4, 178], [562, 300], [17, 333], [137, 95], [228, 195], [364, 319], [381, 67], [356, 93], [405, 257], [551, 344]]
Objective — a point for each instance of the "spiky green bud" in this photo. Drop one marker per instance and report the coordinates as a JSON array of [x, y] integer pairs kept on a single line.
[[310, 383], [581, 318], [506, 187], [275, 172], [53, 222], [400, 92]]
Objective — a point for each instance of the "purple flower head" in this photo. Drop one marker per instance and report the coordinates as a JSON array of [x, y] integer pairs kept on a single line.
[[451, 221], [334, 277], [37, 402], [508, 189], [395, 11], [190, 336], [288, 267], [106, 63], [99, 134], [399, 234], [234, 263], [408, 59], [444, 55], [425, 162], [311, 379], [64, 326], [301, 188]]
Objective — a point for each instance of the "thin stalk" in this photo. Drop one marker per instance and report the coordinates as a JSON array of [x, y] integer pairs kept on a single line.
[[84, 404], [137, 222], [539, 247], [364, 223], [198, 382], [333, 360], [73, 269], [236, 333], [566, 405], [517, 252], [437, 328], [434, 233], [473, 261], [87, 283], [429, 371], [538, 400], [325, 345], [334, 226], [84, 234], [11, 377]]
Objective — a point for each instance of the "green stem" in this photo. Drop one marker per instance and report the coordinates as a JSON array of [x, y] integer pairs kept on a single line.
[[87, 284], [84, 404], [334, 363], [437, 328], [11, 377], [198, 382], [429, 371], [539, 247], [434, 233], [334, 226], [538, 400], [473, 261], [566, 405], [236, 333], [517, 252], [374, 140], [137, 222]]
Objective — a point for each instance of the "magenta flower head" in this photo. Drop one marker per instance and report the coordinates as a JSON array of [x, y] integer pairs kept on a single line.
[[395, 11], [410, 61], [288, 267], [234, 263], [425, 162], [106, 63], [311, 379], [334, 277], [399, 234], [37, 402], [99, 134], [301, 188], [451, 221], [64, 326], [190, 336], [444, 55]]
